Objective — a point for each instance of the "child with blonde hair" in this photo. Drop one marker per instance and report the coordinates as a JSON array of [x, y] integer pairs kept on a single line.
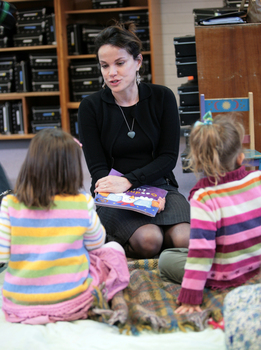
[[225, 236], [52, 238]]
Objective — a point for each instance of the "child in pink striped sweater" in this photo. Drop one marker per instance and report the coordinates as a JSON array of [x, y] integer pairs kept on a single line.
[[52, 238], [225, 236]]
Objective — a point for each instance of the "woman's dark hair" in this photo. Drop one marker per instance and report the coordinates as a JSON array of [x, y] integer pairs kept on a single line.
[[52, 166], [121, 35]]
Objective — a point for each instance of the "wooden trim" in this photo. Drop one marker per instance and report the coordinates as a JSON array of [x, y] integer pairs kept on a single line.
[[27, 48], [157, 65], [24, 0], [20, 95], [251, 121], [94, 56], [73, 105], [121, 9], [16, 137], [61, 33]]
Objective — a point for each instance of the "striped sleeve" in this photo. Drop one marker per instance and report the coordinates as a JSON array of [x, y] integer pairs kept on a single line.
[[5, 232], [201, 253], [95, 235]]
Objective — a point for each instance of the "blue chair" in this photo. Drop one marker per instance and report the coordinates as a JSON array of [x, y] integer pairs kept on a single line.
[[244, 104]]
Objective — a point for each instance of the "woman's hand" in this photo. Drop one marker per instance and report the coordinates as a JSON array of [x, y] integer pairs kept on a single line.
[[187, 308], [112, 184], [161, 202]]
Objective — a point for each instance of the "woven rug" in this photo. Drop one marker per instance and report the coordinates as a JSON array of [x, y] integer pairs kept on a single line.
[[148, 303]]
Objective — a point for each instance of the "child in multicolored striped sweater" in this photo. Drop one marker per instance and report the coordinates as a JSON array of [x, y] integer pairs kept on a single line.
[[225, 237], [53, 240]]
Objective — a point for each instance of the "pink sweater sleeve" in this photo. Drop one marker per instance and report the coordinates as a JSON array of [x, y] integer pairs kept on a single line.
[[94, 237], [201, 253]]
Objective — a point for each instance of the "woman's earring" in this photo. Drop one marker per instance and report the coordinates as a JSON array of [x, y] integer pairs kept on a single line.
[[103, 85], [138, 77]]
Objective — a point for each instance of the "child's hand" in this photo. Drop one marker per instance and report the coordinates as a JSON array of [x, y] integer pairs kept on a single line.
[[161, 202], [187, 308]]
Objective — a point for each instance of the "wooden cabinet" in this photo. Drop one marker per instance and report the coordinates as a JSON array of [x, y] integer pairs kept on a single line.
[[229, 64], [78, 11]]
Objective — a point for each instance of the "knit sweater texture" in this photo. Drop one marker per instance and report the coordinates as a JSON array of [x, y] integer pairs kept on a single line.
[[225, 240], [47, 250]]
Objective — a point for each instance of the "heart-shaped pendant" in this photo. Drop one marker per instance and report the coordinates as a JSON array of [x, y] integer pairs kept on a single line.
[[131, 134]]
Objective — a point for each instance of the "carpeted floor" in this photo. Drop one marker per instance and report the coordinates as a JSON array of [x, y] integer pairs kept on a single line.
[[149, 303]]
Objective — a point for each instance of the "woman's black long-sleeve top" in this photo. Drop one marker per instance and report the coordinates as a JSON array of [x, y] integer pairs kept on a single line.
[[100, 121]]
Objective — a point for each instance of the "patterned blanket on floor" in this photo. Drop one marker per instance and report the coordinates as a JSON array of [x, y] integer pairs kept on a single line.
[[149, 303]]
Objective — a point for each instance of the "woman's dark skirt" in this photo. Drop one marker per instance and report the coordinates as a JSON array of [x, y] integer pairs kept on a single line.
[[120, 224]]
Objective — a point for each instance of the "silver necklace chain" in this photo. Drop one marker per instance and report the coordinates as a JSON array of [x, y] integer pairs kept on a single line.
[[131, 133]]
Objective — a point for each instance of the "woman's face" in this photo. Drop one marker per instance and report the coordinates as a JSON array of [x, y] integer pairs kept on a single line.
[[118, 68]]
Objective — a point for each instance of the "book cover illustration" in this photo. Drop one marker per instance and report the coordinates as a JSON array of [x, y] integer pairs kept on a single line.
[[143, 199]]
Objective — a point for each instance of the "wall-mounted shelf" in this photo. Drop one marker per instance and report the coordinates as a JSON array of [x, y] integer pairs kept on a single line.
[[121, 9]]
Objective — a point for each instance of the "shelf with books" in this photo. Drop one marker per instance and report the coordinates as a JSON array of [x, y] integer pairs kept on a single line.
[[18, 108], [78, 13], [20, 89]]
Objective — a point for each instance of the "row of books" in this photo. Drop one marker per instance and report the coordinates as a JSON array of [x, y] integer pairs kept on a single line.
[[11, 118], [85, 77], [101, 4], [81, 36], [45, 117], [33, 72], [33, 27]]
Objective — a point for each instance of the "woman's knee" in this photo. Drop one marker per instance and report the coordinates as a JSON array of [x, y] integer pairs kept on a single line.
[[147, 240], [179, 235]]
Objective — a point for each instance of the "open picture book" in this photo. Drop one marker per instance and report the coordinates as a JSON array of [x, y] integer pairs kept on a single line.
[[143, 199]]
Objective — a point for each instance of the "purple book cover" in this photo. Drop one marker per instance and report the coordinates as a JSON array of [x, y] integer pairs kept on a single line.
[[142, 199]]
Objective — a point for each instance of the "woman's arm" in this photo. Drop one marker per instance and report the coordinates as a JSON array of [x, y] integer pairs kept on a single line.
[[90, 131]]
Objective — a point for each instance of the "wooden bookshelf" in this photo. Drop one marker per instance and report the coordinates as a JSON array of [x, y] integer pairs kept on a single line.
[[70, 11]]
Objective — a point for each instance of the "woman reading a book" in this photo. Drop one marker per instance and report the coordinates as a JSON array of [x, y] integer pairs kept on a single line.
[[134, 128]]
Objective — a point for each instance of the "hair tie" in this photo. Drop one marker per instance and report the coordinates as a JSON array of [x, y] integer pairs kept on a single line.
[[207, 119], [77, 141]]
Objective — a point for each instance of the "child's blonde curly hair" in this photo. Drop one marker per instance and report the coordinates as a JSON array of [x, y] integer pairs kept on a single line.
[[214, 148]]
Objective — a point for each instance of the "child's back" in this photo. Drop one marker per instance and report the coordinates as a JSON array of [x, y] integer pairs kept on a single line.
[[225, 237], [48, 255], [53, 241]]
